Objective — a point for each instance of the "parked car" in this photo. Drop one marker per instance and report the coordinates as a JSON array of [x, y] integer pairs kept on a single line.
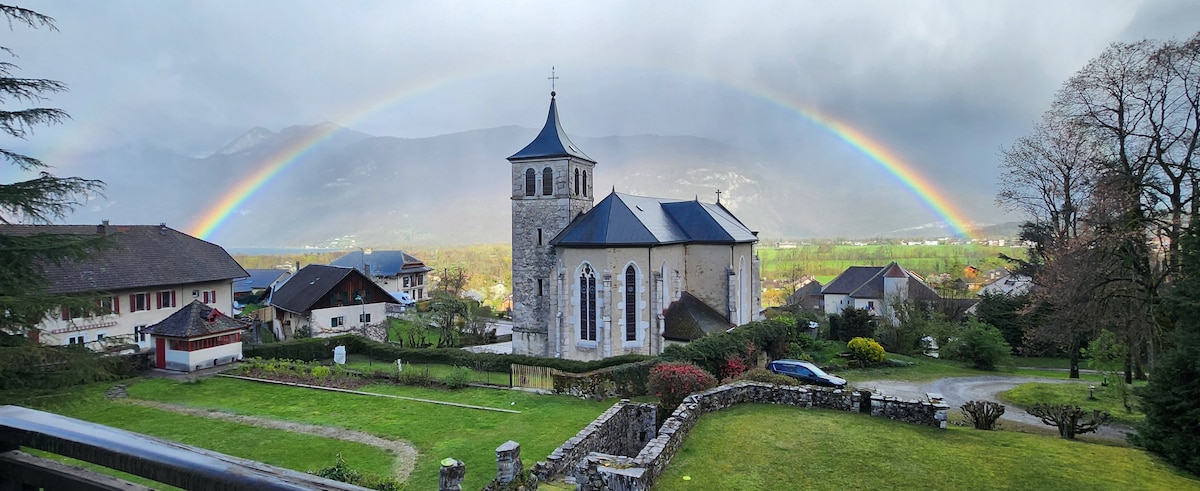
[[806, 372]]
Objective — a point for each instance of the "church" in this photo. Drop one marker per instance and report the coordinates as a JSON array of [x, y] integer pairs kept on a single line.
[[628, 275]]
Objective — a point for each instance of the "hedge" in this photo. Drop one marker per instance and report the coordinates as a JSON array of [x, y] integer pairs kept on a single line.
[[313, 349], [710, 352]]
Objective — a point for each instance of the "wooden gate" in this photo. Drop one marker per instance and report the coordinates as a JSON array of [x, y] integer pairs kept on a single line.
[[532, 377]]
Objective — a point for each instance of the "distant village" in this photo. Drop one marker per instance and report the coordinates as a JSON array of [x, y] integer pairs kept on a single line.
[[592, 277]]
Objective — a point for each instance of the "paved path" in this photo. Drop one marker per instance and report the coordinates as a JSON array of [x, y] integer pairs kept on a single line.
[[959, 390]]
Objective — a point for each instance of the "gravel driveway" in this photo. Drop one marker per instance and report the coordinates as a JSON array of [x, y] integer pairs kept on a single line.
[[958, 390]]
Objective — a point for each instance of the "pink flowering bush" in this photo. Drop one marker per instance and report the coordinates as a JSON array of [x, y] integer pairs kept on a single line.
[[671, 382]]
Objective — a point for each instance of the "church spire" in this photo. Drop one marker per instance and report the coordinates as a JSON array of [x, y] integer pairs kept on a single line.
[[551, 142]]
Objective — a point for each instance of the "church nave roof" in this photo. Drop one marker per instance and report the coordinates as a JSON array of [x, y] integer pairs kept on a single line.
[[627, 220]]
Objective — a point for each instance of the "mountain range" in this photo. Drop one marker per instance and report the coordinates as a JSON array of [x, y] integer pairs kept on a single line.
[[335, 187]]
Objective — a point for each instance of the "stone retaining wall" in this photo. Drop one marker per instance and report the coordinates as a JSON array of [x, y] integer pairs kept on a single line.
[[624, 429], [599, 457]]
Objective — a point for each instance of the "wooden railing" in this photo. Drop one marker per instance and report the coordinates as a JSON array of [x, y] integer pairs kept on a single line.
[[159, 460], [531, 377]]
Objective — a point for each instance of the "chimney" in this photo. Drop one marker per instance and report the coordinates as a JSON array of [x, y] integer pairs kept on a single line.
[[162, 228], [297, 267], [100, 229]]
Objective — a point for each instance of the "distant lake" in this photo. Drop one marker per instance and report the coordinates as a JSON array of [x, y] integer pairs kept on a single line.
[[280, 251]]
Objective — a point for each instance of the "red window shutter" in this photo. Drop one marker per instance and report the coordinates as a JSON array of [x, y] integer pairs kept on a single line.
[[205, 296], [132, 305], [116, 305], [66, 314], [158, 300], [172, 298]]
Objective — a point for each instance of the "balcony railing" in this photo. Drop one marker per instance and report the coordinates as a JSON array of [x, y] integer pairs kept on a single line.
[[159, 460]]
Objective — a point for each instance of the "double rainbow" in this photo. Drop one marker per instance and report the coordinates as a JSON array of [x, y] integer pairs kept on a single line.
[[205, 225]]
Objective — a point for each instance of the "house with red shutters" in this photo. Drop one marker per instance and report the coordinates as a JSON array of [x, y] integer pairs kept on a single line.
[[196, 337], [146, 273]]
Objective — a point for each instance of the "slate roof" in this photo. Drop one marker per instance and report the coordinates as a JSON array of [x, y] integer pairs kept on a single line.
[[689, 319], [850, 279], [868, 282], [193, 321], [259, 279], [551, 142], [306, 286], [627, 220], [382, 263], [140, 256]]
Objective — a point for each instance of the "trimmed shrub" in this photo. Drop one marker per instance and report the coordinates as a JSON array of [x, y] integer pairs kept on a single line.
[[866, 350], [322, 349], [672, 382], [628, 380], [747, 341], [979, 344], [321, 372]]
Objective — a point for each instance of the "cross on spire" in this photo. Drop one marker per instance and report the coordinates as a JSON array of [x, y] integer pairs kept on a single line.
[[718, 196], [552, 78]]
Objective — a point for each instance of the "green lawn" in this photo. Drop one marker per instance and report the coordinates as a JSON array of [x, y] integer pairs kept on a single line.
[[754, 447], [276, 447], [1107, 399], [437, 431]]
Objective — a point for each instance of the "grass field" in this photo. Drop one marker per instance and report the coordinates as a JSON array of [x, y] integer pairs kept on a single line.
[[472, 436], [829, 260], [1107, 398], [276, 447], [754, 447]]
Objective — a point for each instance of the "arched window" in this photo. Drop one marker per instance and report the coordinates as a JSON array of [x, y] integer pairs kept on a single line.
[[585, 188], [630, 304], [587, 304], [530, 181], [547, 181], [576, 182]]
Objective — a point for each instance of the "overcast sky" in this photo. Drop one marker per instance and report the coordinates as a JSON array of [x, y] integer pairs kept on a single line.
[[943, 84]]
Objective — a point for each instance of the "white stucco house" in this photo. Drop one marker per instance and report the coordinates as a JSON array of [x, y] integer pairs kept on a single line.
[[325, 301], [145, 273], [196, 337]]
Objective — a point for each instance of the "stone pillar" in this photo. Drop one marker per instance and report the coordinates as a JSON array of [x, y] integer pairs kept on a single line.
[[508, 461], [452, 474]]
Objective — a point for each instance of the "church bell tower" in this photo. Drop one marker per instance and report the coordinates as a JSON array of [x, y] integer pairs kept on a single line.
[[551, 185]]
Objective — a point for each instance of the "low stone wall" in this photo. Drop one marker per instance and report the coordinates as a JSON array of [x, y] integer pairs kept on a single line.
[[628, 380], [624, 429], [608, 464]]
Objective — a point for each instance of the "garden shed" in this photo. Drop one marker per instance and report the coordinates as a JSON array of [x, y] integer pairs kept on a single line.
[[197, 336]]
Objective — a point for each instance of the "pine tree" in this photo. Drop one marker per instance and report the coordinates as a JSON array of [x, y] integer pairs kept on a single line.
[[1171, 400], [44, 198]]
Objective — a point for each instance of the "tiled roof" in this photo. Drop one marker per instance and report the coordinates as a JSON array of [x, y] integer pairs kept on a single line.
[[382, 263], [689, 318], [624, 219], [195, 319], [308, 285], [551, 142], [140, 256]]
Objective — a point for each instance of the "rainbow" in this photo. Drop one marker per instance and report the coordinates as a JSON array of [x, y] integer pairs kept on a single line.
[[936, 201]]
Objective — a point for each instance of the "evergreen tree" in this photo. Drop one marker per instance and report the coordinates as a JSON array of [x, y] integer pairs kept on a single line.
[[44, 198], [1171, 400]]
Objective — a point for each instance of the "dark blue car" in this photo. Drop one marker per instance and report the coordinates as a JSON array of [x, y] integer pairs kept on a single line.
[[806, 372]]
